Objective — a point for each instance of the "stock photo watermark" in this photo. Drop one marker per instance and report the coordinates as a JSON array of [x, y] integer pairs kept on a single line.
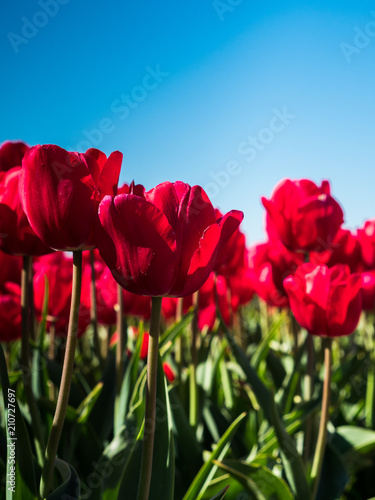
[[32, 25], [248, 150], [362, 39], [222, 7], [122, 107], [11, 444]]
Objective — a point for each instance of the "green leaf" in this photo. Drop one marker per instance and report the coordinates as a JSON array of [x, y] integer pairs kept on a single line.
[[130, 376], [39, 368], [221, 494], [20, 460], [263, 347], [190, 452], [70, 487], [162, 478], [206, 473], [353, 443], [293, 465], [85, 408], [258, 479], [115, 459], [334, 476], [174, 330]]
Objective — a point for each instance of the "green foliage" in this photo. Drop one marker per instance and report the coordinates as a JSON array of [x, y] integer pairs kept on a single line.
[[250, 441]]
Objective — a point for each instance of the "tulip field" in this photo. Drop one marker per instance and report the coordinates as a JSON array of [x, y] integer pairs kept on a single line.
[[149, 351]]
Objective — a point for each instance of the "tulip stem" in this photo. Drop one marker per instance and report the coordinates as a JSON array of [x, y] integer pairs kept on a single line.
[[94, 311], [121, 330], [324, 418], [25, 358], [193, 408], [152, 369], [66, 379], [309, 390]]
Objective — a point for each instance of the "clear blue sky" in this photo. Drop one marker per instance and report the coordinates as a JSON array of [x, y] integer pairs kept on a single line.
[[188, 90]]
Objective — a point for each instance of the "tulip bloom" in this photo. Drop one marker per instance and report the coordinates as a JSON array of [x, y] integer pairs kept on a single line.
[[16, 235], [106, 294], [57, 268], [302, 215], [10, 269], [325, 301], [11, 154], [164, 241], [61, 191], [271, 263], [366, 238], [232, 254], [10, 313], [345, 249], [368, 290]]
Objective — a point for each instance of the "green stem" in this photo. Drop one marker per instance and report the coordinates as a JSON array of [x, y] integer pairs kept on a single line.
[[309, 390], [179, 347], [66, 379], [193, 407], [121, 340], [152, 367], [25, 358], [94, 310], [324, 418]]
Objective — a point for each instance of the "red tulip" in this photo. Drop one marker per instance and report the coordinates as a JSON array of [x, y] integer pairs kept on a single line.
[[302, 215], [11, 154], [206, 303], [232, 253], [106, 294], [57, 268], [144, 346], [16, 235], [169, 372], [10, 313], [241, 286], [345, 249], [10, 269], [271, 263], [325, 301], [368, 290], [61, 191], [164, 241], [366, 238]]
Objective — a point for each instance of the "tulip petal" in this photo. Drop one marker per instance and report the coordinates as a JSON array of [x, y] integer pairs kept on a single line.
[[142, 251], [203, 259], [55, 198]]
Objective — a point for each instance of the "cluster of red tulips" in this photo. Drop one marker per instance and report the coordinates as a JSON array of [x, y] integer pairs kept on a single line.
[[168, 242]]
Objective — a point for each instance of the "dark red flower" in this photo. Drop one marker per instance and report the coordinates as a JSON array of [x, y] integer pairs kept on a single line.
[[302, 215], [368, 290], [241, 286], [144, 346], [168, 372], [106, 293], [164, 241], [271, 263], [326, 301], [10, 269], [57, 268], [16, 235], [10, 313], [61, 191], [11, 154], [345, 249], [366, 238], [232, 253]]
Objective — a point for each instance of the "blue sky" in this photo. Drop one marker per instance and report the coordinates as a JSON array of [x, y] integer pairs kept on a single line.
[[232, 95]]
